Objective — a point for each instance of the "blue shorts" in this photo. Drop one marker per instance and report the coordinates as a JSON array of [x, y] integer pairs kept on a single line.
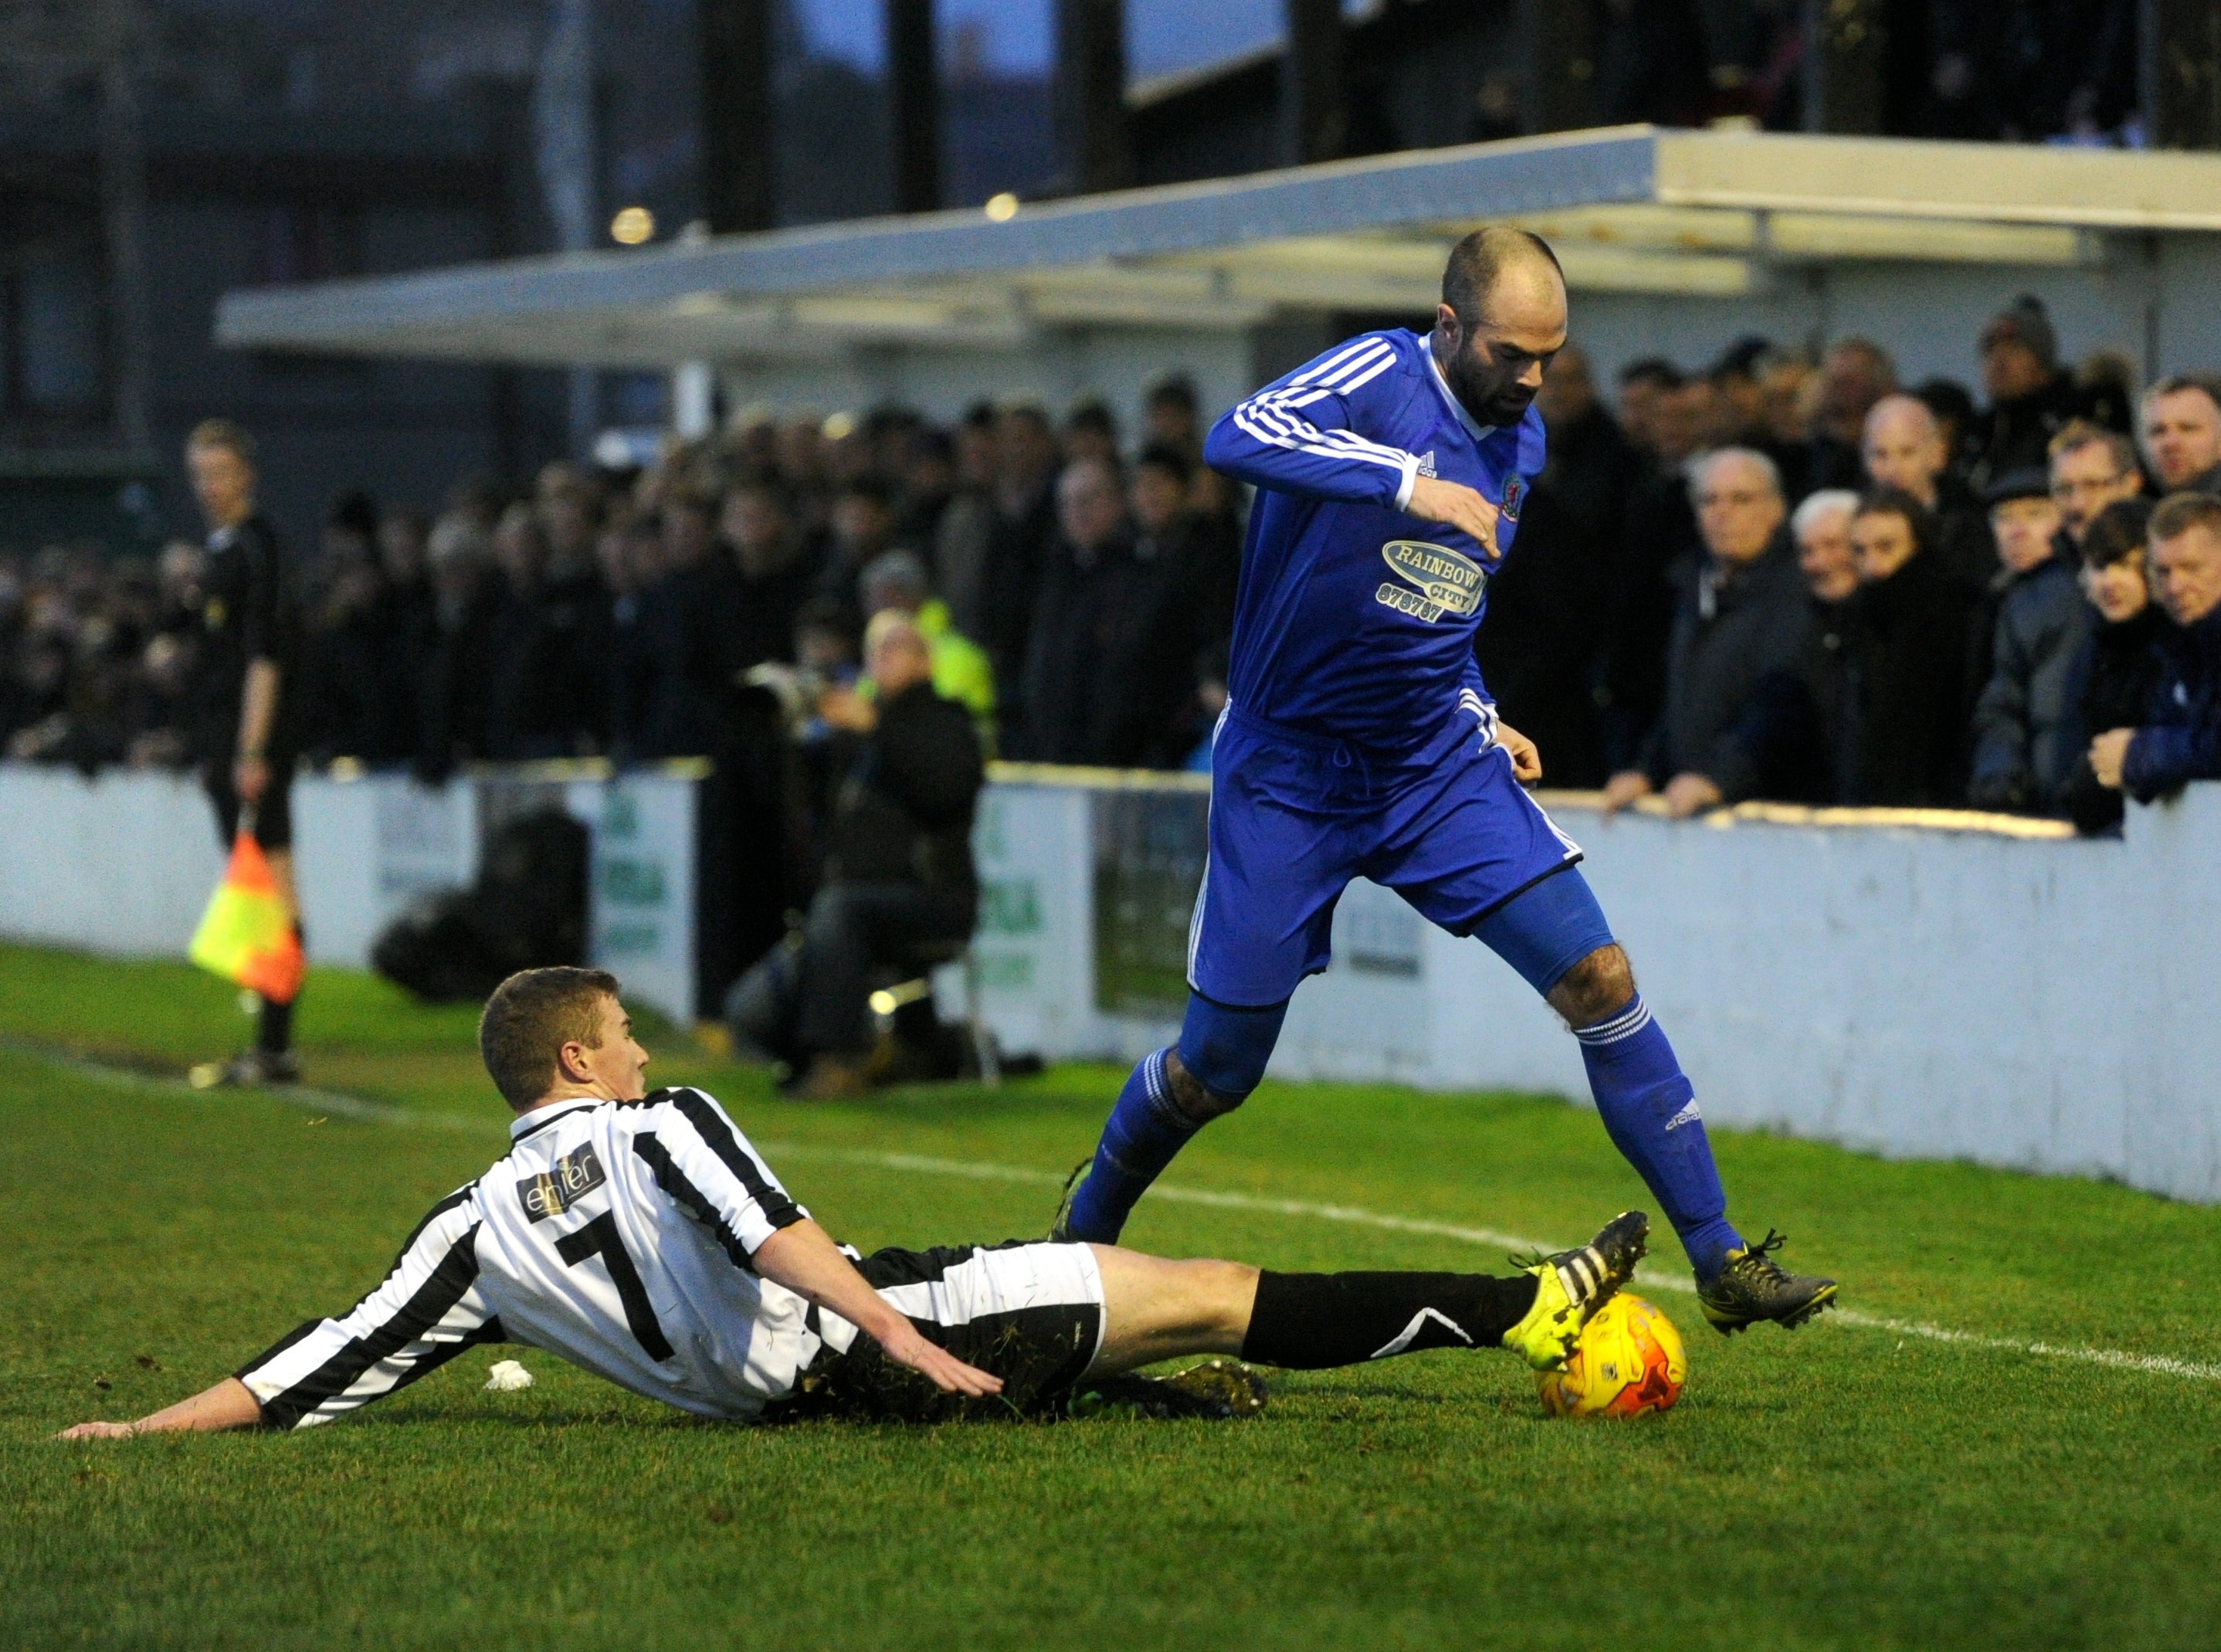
[[1294, 817]]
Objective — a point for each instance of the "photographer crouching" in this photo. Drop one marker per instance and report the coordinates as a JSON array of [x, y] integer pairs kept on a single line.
[[899, 880]]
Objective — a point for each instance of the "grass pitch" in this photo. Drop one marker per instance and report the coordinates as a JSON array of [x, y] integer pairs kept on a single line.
[[1841, 1487]]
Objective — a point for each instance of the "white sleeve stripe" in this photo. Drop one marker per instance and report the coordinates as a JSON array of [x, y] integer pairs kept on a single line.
[[1288, 413], [1284, 415], [1326, 370], [1274, 439], [1284, 429], [1340, 379], [1371, 373], [1340, 370]]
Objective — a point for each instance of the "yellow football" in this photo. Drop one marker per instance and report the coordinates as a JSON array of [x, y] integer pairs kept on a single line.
[[1627, 1361]]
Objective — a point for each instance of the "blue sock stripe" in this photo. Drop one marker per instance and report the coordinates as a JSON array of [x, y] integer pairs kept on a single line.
[[1628, 1023]]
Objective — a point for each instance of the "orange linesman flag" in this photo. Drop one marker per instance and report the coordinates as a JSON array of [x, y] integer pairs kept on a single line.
[[246, 935]]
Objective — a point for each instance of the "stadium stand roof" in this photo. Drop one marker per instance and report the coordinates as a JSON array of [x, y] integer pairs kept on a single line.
[[1632, 209]]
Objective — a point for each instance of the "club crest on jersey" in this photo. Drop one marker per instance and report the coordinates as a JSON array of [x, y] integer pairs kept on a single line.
[[1515, 491], [555, 1191], [1446, 582]]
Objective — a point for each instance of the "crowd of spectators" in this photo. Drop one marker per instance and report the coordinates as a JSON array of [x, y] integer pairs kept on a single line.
[[1793, 580], [1076, 602], [1775, 577]]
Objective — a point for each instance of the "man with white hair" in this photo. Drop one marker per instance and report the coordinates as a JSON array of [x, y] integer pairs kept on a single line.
[[1904, 447], [1741, 614]]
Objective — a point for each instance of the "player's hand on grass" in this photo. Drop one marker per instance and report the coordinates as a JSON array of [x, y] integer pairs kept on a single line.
[[2108, 752], [1624, 788], [944, 1370], [98, 1431], [1526, 755], [1691, 793], [1457, 506]]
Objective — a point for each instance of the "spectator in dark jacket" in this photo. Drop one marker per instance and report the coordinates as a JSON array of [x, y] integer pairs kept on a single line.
[[1741, 614], [2117, 671], [1018, 542], [2040, 623], [2179, 740], [540, 697], [775, 553], [1902, 735], [449, 650], [900, 879], [1791, 729], [692, 616], [2182, 434], [1076, 669], [2030, 396], [2091, 468], [1905, 446]]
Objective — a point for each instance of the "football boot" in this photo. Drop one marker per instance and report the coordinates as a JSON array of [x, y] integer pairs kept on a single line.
[[1573, 1285], [1753, 1287]]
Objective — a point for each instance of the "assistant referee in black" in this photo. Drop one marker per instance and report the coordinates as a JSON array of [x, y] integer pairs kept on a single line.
[[244, 719]]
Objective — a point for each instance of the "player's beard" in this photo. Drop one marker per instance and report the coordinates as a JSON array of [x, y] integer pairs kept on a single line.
[[1482, 394]]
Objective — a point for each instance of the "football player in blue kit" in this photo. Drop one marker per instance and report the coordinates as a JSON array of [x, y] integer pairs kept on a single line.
[[1358, 741]]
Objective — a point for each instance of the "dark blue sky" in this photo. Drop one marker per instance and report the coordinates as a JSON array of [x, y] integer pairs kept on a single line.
[[1161, 35]]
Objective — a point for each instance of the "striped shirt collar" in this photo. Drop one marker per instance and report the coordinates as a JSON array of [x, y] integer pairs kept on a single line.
[[1474, 427], [540, 1117]]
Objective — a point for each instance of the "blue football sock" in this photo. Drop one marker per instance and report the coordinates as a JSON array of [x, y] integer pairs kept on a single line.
[[1142, 1136], [1649, 1110]]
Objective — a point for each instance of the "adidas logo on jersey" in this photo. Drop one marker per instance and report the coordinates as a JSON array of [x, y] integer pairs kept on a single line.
[[556, 1190]]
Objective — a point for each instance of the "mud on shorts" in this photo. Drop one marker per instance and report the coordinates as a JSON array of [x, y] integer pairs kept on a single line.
[[1028, 1312]]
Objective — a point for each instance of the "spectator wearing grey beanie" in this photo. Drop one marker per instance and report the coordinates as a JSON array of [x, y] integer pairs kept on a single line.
[[2030, 397]]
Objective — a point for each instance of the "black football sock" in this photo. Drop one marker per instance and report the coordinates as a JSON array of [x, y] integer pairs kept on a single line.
[[275, 1035], [1307, 1321]]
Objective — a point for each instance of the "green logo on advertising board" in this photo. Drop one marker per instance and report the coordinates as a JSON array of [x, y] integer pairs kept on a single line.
[[630, 940], [620, 813], [1009, 906], [632, 883]]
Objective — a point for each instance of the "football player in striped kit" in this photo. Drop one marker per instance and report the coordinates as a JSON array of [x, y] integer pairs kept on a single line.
[[642, 1238], [1358, 741]]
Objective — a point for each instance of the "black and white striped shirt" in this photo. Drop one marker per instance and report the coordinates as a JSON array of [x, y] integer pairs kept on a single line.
[[616, 1235]]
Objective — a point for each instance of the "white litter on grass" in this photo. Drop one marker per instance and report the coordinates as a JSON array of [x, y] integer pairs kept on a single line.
[[507, 1376], [2161, 1365]]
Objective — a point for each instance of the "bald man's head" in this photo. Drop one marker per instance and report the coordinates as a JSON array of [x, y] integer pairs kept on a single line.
[[1903, 446], [1502, 318]]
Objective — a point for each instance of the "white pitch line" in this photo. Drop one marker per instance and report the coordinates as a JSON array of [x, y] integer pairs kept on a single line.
[[1489, 1238], [976, 1170]]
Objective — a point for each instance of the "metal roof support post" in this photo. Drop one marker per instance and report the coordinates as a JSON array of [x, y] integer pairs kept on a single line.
[[1846, 44], [1557, 66], [1091, 96], [914, 106], [737, 179], [2179, 74], [1314, 109]]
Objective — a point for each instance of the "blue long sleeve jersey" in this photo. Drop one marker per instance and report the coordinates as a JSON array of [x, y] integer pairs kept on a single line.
[[1357, 619]]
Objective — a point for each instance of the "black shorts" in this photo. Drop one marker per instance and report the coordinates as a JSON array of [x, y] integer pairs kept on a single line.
[[1028, 1312], [273, 817]]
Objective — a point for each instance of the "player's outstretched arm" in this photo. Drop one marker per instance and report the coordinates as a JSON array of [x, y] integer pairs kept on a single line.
[[802, 1257], [227, 1405]]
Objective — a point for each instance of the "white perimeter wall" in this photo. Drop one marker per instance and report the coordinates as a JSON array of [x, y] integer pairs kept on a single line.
[[2038, 1004]]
